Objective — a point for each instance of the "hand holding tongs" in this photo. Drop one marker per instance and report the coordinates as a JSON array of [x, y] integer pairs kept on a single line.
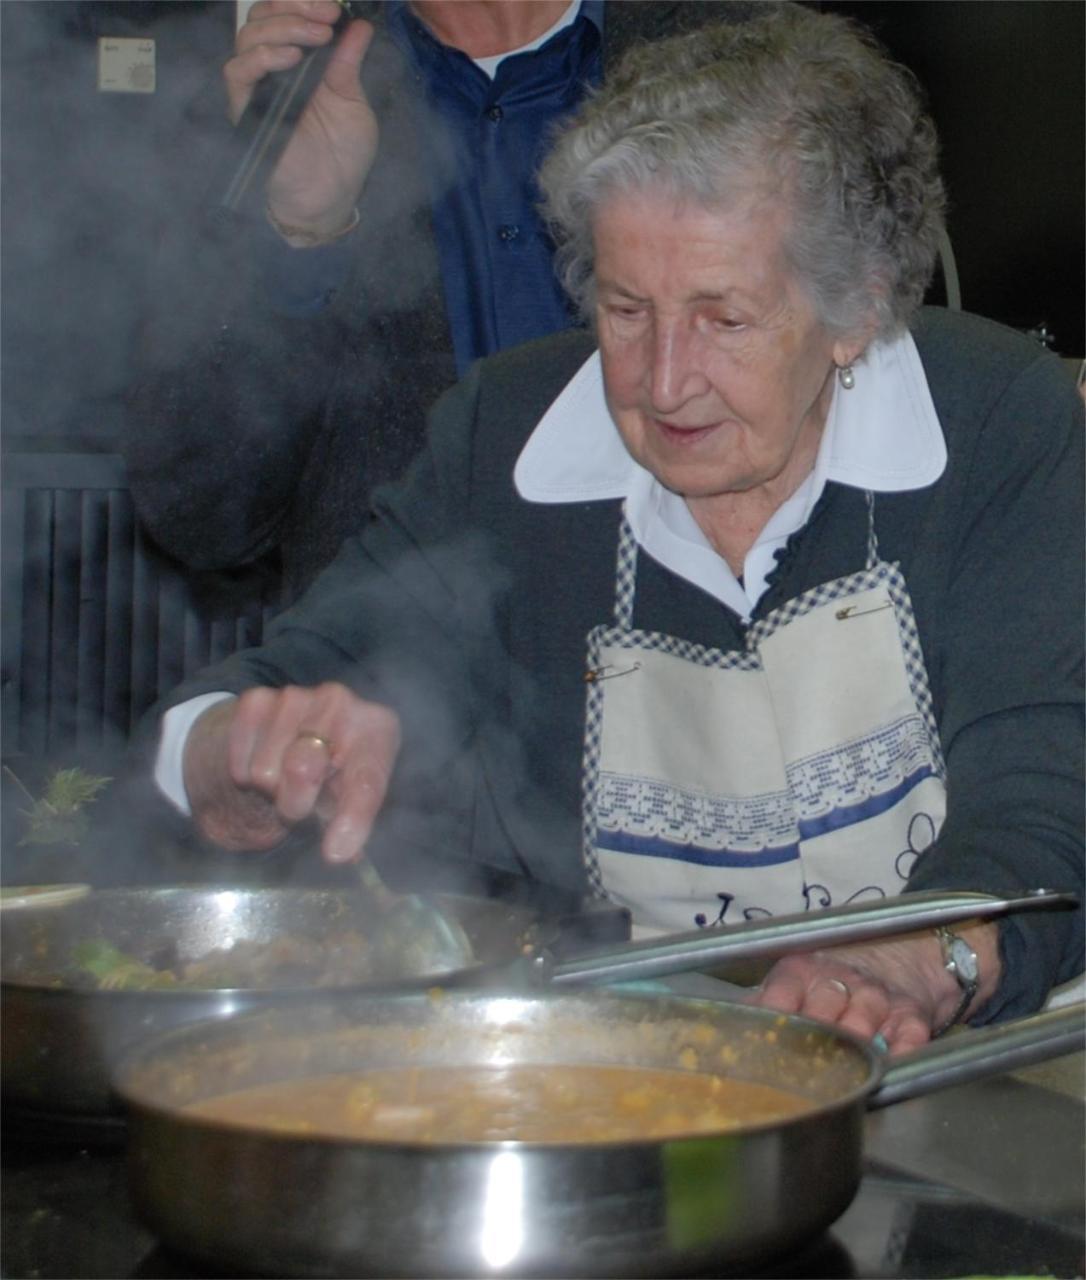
[[277, 103]]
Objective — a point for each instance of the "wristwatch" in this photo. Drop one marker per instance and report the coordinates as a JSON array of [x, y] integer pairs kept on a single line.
[[960, 961]]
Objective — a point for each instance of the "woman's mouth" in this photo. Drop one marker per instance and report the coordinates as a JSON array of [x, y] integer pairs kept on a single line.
[[684, 437]]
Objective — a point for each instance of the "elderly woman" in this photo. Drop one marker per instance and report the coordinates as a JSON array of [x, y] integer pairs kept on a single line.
[[762, 596]]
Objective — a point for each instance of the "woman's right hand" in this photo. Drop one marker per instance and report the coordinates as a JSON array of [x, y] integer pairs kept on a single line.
[[321, 173], [897, 988], [257, 765]]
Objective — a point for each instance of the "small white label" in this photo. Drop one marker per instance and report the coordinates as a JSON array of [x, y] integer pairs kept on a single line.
[[126, 65]]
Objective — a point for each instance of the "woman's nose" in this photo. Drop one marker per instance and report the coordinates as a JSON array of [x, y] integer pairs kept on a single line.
[[677, 373]]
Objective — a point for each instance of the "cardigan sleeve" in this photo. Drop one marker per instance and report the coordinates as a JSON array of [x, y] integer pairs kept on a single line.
[[396, 617], [1011, 667]]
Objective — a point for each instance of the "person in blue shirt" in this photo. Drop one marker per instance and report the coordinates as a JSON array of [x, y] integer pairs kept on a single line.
[[487, 114], [290, 362]]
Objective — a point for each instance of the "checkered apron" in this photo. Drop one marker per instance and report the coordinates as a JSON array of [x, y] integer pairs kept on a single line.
[[801, 771]]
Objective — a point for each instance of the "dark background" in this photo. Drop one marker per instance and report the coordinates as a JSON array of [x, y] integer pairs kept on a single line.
[[86, 177], [1005, 88]]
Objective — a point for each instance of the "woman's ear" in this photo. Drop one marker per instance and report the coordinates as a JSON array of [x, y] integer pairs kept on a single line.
[[849, 348]]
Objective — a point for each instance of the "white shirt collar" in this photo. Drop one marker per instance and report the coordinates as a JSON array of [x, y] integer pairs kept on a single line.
[[883, 435]]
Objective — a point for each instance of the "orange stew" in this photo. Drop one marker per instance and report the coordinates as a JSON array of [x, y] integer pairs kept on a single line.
[[560, 1104]]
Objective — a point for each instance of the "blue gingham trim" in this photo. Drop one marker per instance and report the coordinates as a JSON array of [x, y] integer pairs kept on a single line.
[[657, 642], [872, 539], [825, 593], [593, 734], [625, 576], [915, 667]]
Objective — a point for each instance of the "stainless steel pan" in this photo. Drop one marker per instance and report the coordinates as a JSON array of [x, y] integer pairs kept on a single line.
[[264, 1202], [60, 1039]]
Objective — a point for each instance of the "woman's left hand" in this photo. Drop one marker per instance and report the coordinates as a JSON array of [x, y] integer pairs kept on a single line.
[[898, 989]]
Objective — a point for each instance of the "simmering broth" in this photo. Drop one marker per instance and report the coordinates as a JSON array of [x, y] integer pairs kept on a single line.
[[526, 1103]]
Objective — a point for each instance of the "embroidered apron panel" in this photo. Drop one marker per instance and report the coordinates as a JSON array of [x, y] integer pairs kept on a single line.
[[803, 771]]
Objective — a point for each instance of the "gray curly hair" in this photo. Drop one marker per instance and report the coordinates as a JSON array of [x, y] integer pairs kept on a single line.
[[793, 105]]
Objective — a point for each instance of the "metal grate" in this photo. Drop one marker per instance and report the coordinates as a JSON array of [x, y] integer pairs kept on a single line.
[[96, 623]]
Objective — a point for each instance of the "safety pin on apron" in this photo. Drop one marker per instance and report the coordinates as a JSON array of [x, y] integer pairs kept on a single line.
[[608, 673], [850, 611]]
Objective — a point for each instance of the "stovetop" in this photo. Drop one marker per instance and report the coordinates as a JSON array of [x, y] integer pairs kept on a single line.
[[984, 1179]]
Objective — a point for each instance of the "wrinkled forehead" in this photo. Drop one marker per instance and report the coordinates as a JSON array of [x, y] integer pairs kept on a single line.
[[652, 231]]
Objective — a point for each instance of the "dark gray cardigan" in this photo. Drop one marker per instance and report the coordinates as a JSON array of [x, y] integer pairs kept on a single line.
[[467, 608]]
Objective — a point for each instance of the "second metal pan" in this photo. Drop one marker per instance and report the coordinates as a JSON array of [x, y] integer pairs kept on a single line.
[[262, 1201], [61, 1036]]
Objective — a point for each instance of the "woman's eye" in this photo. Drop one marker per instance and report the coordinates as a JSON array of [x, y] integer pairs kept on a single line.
[[727, 324], [624, 317]]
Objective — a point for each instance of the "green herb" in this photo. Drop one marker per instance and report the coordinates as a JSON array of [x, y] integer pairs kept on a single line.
[[98, 957], [115, 970], [59, 816]]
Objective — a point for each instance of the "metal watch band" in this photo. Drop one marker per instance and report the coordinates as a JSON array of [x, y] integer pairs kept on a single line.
[[960, 961]]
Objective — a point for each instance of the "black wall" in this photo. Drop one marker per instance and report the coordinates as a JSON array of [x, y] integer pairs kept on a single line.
[[1005, 85]]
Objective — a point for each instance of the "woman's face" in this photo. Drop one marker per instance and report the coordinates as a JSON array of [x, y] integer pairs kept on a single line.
[[717, 373]]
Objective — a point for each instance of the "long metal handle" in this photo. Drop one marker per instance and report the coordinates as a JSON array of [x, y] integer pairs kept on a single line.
[[971, 1055], [780, 935]]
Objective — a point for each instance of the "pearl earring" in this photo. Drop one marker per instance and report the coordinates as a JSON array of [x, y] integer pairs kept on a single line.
[[846, 377]]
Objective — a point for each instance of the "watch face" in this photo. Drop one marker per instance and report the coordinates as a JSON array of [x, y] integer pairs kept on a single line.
[[964, 959]]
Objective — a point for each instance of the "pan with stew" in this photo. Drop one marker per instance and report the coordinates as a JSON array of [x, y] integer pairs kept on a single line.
[[87, 980], [589, 1133]]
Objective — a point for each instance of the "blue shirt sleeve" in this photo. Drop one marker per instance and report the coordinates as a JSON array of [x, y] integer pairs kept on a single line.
[[301, 282]]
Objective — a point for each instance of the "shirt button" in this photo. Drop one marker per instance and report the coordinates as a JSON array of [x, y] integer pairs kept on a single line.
[[508, 232], [494, 113]]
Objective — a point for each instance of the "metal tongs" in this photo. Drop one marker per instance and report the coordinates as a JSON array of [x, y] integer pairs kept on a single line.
[[275, 107], [409, 934], [766, 939]]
